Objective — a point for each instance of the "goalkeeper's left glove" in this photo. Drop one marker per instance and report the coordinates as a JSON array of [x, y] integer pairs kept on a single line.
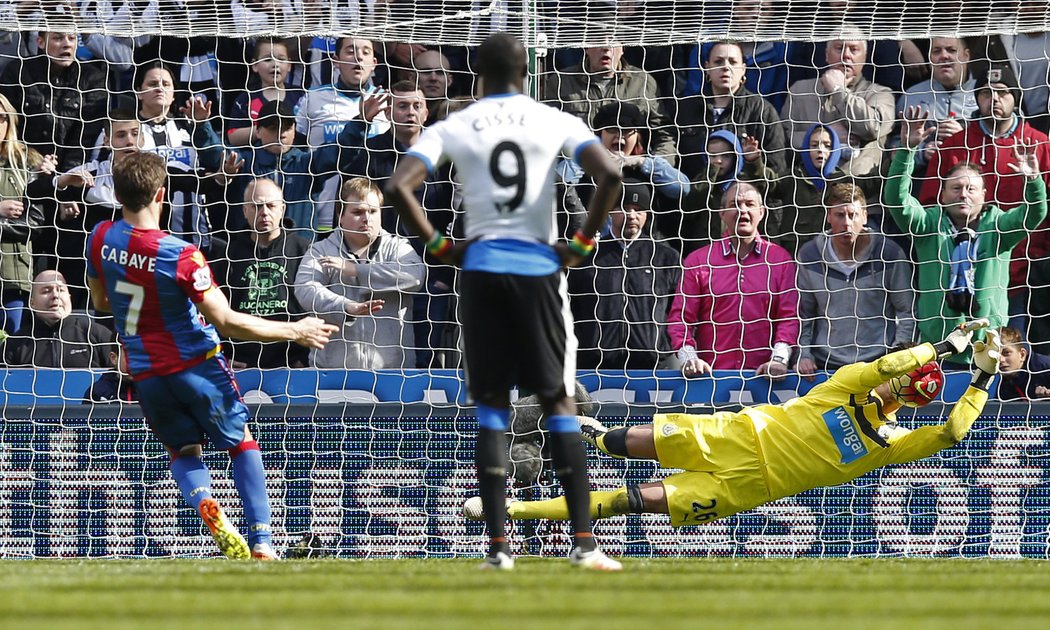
[[986, 358], [959, 339]]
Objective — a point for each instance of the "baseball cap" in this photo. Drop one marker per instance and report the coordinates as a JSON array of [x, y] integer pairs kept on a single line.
[[275, 113]]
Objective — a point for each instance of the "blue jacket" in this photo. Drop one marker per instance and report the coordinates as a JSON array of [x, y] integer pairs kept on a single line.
[[294, 171]]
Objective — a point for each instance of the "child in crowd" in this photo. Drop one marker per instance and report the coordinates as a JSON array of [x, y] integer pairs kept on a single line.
[[1025, 375], [273, 155], [271, 67]]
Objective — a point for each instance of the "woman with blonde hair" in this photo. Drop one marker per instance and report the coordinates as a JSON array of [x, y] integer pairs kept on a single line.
[[20, 167]]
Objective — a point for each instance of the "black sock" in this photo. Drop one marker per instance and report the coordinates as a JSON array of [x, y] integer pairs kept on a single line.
[[615, 442], [491, 460], [570, 464], [635, 503]]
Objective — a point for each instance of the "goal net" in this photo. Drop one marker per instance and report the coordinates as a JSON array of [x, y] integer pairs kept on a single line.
[[371, 445]]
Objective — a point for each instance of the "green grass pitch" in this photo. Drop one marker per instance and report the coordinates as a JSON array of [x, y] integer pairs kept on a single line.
[[541, 593]]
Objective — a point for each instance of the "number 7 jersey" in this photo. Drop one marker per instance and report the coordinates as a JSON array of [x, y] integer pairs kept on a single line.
[[154, 281], [505, 148]]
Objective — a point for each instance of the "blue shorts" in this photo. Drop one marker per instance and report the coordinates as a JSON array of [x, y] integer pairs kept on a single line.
[[202, 401]]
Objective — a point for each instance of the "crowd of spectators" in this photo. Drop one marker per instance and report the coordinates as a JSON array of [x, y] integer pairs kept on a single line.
[[783, 210]]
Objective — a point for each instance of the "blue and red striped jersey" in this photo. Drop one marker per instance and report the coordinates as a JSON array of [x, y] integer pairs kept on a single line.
[[154, 282]]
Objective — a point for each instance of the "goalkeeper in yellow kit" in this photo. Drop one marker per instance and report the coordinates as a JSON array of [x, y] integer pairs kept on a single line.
[[735, 461]]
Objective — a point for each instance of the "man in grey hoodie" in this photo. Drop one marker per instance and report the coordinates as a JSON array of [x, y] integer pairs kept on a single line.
[[362, 279], [854, 287]]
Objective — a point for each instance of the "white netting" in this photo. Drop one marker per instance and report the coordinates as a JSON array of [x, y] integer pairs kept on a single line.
[[565, 23], [384, 475]]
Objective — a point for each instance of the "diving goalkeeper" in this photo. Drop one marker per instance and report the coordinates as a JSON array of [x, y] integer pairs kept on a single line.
[[735, 461]]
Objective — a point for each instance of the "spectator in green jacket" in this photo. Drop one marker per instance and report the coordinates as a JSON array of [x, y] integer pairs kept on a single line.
[[963, 244]]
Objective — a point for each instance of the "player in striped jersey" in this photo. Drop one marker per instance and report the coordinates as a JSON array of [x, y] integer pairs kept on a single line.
[[158, 287], [517, 327]]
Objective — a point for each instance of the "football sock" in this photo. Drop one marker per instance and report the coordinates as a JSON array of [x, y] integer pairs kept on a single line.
[[603, 504], [250, 479], [193, 479], [570, 464], [613, 442], [491, 460]]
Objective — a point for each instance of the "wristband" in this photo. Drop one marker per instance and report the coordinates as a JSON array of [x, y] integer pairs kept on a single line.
[[982, 379], [438, 245], [580, 244], [944, 350]]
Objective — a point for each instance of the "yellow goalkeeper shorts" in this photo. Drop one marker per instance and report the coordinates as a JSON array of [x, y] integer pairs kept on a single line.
[[724, 468]]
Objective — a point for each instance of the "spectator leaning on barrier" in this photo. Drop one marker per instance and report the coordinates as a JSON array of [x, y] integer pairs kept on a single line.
[[54, 337], [258, 271], [1025, 374], [948, 95], [376, 158], [737, 306], [63, 99], [859, 110], [621, 296], [963, 243], [604, 77], [726, 104], [362, 278], [854, 285]]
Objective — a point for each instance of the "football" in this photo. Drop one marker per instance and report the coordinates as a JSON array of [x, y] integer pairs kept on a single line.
[[918, 387]]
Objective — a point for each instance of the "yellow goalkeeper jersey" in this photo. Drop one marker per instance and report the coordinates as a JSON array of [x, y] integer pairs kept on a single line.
[[838, 430]]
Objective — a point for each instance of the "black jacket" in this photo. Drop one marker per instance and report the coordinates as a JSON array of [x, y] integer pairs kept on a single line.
[[76, 342], [259, 281], [64, 110], [748, 113], [111, 387], [620, 300]]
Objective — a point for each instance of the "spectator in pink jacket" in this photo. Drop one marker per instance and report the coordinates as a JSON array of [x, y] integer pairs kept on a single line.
[[737, 305]]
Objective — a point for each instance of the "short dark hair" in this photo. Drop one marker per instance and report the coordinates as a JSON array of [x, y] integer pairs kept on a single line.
[[339, 43], [141, 71], [723, 42], [119, 115], [405, 86], [272, 41], [501, 57], [137, 178]]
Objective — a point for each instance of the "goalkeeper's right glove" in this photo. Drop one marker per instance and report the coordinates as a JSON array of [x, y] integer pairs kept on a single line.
[[957, 340], [986, 358]]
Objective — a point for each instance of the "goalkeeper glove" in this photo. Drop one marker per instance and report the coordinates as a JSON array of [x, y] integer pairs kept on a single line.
[[957, 340], [986, 358]]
